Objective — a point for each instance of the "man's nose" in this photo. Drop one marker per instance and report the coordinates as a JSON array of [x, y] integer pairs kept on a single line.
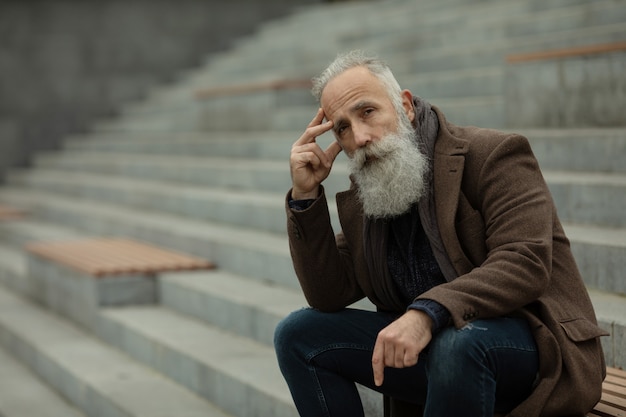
[[362, 136]]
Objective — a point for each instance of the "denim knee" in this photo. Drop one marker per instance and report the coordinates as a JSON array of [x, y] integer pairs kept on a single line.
[[453, 350], [292, 329], [470, 349]]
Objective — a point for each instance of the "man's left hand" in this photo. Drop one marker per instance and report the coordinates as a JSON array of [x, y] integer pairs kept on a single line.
[[399, 344]]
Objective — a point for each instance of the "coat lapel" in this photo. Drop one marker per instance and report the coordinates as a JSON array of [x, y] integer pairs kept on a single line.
[[448, 174]]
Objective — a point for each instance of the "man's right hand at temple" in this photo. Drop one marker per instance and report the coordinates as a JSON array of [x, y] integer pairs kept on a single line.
[[310, 165]]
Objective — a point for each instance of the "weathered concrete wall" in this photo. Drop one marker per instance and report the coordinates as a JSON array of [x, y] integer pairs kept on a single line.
[[64, 63]]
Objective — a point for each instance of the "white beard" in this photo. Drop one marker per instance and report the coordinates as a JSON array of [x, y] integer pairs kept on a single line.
[[390, 173]]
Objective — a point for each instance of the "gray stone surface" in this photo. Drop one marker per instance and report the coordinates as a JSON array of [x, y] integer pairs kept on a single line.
[[577, 91], [98, 379], [78, 296], [23, 394]]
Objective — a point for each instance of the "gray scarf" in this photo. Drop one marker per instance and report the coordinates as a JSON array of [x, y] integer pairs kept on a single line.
[[427, 127]]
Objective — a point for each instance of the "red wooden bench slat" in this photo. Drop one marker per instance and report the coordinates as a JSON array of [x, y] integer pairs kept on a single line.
[[115, 256]]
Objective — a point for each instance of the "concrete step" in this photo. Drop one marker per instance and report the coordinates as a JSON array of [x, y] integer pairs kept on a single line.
[[589, 198], [463, 56], [484, 111], [31, 229], [231, 173], [611, 313], [241, 305], [12, 267], [257, 145], [217, 205], [96, 378], [585, 149], [231, 325], [471, 24], [241, 112], [252, 253], [23, 394], [396, 30], [223, 299], [400, 27], [569, 23], [601, 255], [250, 55], [237, 374], [195, 356], [179, 99], [600, 252], [474, 82], [217, 298], [581, 197]]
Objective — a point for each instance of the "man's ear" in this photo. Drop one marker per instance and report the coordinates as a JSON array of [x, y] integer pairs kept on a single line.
[[407, 104]]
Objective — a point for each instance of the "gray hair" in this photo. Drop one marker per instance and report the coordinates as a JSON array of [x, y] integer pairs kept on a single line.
[[358, 58]]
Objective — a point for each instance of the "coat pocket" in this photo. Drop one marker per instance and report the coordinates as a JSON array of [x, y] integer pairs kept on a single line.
[[580, 329]]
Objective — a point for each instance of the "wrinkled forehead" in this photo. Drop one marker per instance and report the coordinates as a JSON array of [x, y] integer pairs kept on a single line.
[[353, 85]]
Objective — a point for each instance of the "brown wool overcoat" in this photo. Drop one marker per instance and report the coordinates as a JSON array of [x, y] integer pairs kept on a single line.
[[500, 230]]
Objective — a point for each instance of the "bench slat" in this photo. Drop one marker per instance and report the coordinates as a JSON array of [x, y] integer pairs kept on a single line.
[[115, 256], [608, 410], [614, 389], [613, 401]]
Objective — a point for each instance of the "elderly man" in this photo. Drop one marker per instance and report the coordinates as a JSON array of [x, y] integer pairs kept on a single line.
[[452, 233]]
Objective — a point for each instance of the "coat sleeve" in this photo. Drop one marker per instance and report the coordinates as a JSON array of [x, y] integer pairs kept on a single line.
[[515, 207], [322, 261]]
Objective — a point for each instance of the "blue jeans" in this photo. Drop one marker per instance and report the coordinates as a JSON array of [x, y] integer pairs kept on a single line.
[[489, 365]]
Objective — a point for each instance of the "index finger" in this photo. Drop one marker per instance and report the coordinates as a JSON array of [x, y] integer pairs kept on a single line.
[[333, 150], [378, 362], [315, 128], [319, 117]]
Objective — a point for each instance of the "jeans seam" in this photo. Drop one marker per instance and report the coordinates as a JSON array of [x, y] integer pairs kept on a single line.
[[313, 354], [320, 392], [336, 346]]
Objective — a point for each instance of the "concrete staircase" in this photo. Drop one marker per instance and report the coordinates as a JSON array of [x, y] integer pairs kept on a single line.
[[208, 177]]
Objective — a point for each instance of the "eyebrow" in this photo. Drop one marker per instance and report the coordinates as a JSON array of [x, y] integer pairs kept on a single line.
[[358, 106]]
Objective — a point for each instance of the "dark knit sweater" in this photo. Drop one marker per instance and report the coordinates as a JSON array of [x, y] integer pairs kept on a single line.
[[411, 263]]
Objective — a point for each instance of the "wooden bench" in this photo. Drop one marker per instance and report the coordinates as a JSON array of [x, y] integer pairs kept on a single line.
[[612, 403], [102, 257], [77, 278]]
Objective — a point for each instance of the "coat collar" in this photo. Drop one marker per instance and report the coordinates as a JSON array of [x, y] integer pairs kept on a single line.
[[449, 163]]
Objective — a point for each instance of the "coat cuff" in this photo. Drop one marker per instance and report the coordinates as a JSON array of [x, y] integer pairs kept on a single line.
[[438, 313]]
